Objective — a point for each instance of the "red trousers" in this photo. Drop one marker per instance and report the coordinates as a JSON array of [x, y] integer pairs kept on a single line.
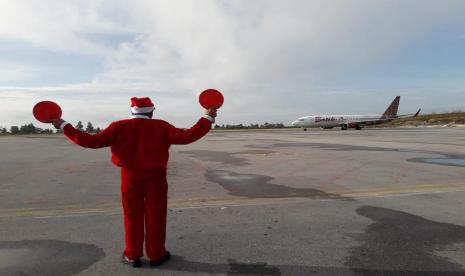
[[144, 196]]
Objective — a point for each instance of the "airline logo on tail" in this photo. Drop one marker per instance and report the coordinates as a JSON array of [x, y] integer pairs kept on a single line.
[[391, 111]]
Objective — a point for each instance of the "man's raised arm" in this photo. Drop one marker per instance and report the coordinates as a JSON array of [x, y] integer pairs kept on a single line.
[[102, 139], [201, 128]]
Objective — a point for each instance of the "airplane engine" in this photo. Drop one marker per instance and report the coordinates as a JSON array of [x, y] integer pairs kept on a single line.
[[354, 125]]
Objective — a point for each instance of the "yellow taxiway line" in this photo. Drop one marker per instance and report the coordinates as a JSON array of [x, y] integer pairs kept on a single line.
[[191, 203]]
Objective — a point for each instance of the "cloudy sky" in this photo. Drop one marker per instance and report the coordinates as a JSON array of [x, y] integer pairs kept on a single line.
[[273, 60]]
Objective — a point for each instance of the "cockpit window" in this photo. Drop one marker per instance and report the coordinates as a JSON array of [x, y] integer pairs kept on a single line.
[[301, 120]]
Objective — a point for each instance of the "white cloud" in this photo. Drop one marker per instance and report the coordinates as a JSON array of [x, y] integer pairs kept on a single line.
[[58, 25], [16, 72], [266, 56]]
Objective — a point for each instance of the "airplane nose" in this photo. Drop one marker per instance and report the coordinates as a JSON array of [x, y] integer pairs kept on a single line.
[[294, 123]]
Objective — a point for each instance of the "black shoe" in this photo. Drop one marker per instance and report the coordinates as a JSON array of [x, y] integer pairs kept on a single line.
[[161, 260], [133, 263]]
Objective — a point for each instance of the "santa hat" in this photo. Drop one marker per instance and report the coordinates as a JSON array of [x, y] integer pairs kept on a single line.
[[141, 105]]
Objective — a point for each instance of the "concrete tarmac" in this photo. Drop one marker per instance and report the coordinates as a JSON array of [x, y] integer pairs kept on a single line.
[[278, 202]]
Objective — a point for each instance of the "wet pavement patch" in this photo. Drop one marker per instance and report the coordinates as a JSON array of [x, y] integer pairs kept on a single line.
[[256, 152], [46, 257], [447, 160], [336, 147], [223, 157], [258, 186], [234, 267], [217, 156], [404, 244]]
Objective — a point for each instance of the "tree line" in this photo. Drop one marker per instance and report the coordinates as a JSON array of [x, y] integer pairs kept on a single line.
[[31, 129], [251, 126]]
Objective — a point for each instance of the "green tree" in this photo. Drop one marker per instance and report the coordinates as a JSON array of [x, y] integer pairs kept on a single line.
[[97, 130], [80, 126], [4, 131], [265, 125], [14, 129], [29, 129], [90, 127]]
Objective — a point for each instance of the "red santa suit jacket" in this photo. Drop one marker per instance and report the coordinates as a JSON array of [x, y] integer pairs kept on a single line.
[[139, 143]]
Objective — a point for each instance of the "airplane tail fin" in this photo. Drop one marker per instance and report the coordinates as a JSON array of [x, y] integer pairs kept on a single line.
[[391, 111], [416, 114]]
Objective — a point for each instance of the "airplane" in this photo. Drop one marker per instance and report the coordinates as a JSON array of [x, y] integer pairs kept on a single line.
[[352, 121]]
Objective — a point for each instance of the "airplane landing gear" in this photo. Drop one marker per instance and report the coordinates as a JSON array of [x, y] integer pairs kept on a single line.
[[344, 127], [305, 129]]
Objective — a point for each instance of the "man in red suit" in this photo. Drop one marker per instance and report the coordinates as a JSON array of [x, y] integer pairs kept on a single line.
[[139, 146]]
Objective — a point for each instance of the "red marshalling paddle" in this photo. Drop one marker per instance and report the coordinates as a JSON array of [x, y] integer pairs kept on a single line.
[[211, 98], [46, 111]]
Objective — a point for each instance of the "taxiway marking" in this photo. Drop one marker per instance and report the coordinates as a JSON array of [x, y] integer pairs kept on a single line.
[[206, 202]]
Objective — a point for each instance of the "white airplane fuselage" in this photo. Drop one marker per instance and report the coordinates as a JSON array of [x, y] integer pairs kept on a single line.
[[351, 121], [330, 121]]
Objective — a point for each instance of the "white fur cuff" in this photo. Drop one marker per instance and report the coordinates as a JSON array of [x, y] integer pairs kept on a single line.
[[210, 118], [62, 126]]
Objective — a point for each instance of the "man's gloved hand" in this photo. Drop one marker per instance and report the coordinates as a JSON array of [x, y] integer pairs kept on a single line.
[[57, 123], [211, 112]]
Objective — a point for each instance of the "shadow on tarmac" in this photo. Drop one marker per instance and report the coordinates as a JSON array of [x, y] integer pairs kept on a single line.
[[179, 263], [397, 244], [46, 257], [446, 160], [217, 156], [335, 147], [405, 243], [227, 158], [257, 186]]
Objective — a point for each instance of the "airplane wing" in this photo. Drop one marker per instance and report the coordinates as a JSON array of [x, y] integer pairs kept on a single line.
[[371, 122], [383, 120], [410, 115]]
